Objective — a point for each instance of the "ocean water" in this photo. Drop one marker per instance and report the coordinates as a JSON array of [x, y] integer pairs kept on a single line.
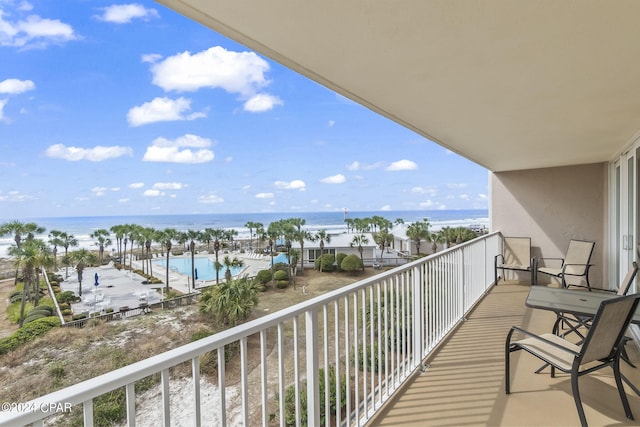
[[82, 227]]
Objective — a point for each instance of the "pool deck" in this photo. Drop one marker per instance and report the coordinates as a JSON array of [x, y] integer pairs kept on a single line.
[[119, 288]]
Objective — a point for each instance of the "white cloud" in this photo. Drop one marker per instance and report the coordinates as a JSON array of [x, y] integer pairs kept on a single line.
[[96, 154], [356, 165], [125, 13], [169, 186], [264, 196], [136, 185], [33, 31], [261, 103], [331, 123], [15, 86], [3, 102], [99, 191], [162, 110], [125, 200], [432, 191], [179, 150], [454, 186], [153, 193], [296, 184], [14, 196], [235, 72], [210, 199], [385, 208], [335, 179], [402, 165]]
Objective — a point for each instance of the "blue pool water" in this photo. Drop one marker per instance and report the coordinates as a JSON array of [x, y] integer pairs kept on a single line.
[[281, 258], [204, 266]]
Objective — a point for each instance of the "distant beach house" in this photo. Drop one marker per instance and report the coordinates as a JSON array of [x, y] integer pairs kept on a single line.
[[340, 243]]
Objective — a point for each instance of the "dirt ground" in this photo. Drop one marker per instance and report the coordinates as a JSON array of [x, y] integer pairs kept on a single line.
[[6, 326]]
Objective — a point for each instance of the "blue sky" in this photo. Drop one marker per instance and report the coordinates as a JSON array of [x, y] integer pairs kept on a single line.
[[130, 108]]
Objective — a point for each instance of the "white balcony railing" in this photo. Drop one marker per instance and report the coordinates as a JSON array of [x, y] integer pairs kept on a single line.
[[363, 340]]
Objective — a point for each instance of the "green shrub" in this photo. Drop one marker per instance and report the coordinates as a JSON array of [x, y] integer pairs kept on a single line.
[[264, 276], [15, 297], [351, 263], [67, 312], [340, 256], [325, 263], [281, 266], [67, 296], [30, 318], [27, 333], [290, 398], [281, 275], [79, 316], [64, 306], [198, 335], [209, 361], [34, 312], [282, 284], [261, 288], [371, 359], [46, 308]]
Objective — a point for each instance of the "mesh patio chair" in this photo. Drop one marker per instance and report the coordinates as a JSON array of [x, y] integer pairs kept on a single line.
[[516, 255], [601, 348], [574, 323], [576, 262]]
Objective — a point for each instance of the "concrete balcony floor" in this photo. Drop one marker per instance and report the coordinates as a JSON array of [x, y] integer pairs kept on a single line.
[[464, 384]]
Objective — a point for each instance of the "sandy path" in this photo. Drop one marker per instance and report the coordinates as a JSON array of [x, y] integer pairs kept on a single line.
[[6, 326]]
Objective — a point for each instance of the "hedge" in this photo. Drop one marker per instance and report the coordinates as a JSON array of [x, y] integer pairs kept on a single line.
[[28, 332]]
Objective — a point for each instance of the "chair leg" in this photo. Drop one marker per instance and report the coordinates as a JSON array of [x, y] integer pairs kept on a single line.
[[507, 363], [623, 395], [576, 397]]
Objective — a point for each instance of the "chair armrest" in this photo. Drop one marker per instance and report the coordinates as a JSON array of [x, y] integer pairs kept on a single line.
[[586, 270], [551, 258], [539, 338]]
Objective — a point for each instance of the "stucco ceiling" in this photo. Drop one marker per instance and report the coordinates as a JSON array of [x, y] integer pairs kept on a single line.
[[507, 84]]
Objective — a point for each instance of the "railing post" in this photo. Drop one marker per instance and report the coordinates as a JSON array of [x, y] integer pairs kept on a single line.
[[313, 389], [417, 280]]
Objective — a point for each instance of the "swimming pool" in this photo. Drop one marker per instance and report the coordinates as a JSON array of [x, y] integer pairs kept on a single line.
[[281, 258], [205, 269]]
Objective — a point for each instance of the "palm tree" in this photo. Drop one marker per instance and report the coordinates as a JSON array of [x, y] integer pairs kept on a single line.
[[300, 236], [417, 232], [252, 226], [192, 236], [119, 231], [29, 257], [323, 236], [229, 263], [55, 241], [102, 237], [133, 233], [20, 229], [68, 240], [231, 301], [82, 258], [358, 241], [437, 237], [166, 237], [217, 234], [147, 235]]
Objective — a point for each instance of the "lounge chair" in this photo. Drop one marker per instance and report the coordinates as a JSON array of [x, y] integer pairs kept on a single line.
[[516, 255], [576, 262], [601, 348]]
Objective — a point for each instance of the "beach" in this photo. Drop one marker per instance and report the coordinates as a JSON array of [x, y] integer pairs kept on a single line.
[[333, 222]]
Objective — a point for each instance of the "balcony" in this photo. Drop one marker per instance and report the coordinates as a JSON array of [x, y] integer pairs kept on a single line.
[[423, 374]]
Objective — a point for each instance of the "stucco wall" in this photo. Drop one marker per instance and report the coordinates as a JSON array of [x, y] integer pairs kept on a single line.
[[553, 206]]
